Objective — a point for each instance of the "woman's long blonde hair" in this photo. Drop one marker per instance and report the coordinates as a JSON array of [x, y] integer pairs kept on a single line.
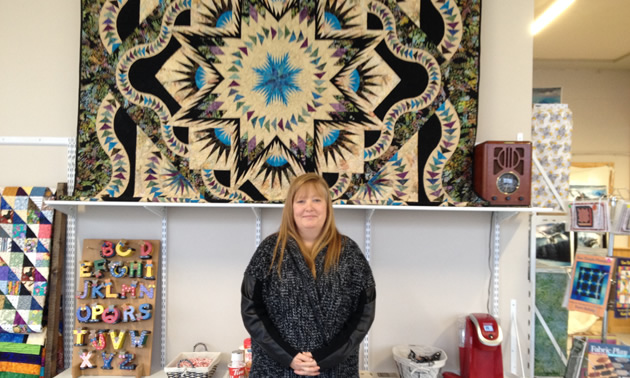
[[329, 235]]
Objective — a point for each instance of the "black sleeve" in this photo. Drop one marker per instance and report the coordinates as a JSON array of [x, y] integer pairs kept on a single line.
[[258, 324], [353, 332]]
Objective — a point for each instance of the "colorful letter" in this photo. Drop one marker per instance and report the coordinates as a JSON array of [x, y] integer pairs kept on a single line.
[[107, 249], [146, 250]]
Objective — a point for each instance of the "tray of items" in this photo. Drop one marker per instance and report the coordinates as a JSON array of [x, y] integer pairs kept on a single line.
[[193, 364]]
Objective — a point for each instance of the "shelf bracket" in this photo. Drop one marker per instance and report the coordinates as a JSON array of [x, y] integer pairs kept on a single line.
[[258, 213], [163, 261], [159, 211], [68, 305], [495, 253], [368, 249]]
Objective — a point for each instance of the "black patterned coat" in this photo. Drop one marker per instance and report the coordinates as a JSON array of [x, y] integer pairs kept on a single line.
[[328, 316]]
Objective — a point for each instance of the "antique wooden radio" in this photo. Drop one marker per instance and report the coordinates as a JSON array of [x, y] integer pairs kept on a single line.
[[502, 172]]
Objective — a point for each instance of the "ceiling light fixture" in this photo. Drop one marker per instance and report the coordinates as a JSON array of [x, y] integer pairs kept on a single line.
[[549, 15]]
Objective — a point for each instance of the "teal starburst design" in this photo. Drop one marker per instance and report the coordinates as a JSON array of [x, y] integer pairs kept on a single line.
[[176, 180], [277, 79]]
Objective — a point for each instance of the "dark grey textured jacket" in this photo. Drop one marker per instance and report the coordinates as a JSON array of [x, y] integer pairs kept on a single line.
[[328, 316]]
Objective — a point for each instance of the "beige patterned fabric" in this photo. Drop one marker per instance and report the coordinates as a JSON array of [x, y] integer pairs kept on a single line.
[[552, 126]]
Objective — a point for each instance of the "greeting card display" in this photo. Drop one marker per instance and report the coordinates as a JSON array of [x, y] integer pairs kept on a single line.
[[590, 283], [621, 222], [115, 306], [622, 292], [589, 216]]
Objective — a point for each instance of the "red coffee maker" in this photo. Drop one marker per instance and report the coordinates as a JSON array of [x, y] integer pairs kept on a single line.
[[479, 348]]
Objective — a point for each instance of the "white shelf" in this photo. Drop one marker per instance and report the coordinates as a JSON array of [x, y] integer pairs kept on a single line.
[[69, 206], [72, 208]]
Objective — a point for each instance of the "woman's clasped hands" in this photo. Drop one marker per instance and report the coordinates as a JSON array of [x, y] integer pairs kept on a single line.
[[304, 364]]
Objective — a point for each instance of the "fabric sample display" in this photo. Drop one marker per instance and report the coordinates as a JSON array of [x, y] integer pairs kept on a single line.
[[590, 216], [552, 126], [25, 241], [227, 101], [22, 355]]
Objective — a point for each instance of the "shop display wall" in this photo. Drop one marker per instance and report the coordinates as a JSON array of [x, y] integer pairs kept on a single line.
[[427, 304]]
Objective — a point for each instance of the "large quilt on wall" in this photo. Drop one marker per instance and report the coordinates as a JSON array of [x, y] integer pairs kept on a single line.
[[227, 100]]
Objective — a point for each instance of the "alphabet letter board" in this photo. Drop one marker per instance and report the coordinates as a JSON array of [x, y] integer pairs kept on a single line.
[[116, 295]]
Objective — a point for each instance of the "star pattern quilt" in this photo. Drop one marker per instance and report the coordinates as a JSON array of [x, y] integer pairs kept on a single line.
[[25, 241], [227, 101]]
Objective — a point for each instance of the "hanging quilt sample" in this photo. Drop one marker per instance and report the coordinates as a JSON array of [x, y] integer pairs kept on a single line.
[[25, 242], [552, 126], [228, 100]]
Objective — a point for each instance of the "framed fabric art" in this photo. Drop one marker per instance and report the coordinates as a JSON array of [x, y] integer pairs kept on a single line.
[[227, 101]]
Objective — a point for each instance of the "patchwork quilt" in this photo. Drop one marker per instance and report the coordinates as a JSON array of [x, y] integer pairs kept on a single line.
[[25, 241], [228, 100]]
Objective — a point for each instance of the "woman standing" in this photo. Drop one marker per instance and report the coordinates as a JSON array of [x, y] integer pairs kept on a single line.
[[308, 295]]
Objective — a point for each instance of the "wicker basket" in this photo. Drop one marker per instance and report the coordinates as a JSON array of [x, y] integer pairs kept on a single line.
[[409, 369], [178, 367]]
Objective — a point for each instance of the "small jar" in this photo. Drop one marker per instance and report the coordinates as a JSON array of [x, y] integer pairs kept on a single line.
[[247, 347], [236, 367]]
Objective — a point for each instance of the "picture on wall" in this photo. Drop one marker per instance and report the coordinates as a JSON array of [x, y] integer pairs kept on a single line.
[[227, 101], [591, 181], [587, 192], [547, 95]]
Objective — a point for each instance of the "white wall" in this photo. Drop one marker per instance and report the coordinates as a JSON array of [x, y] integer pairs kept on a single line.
[[505, 91], [39, 86], [430, 267]]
